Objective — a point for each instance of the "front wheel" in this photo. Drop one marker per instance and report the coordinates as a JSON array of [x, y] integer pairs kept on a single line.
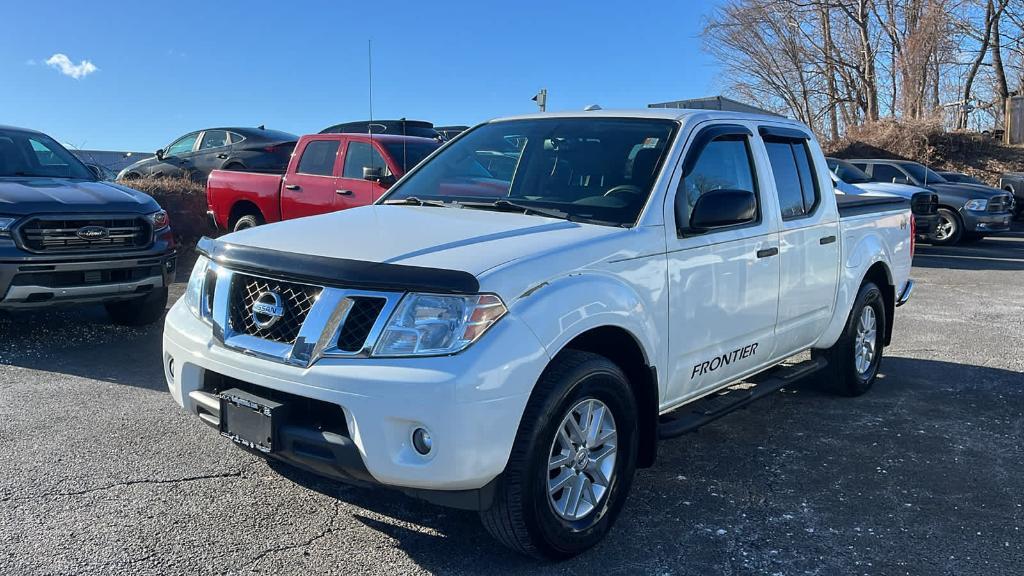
[[854, 359], [572, 463], [948, 228]]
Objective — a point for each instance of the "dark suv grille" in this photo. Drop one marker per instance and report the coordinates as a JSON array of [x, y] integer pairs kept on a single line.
[[999, 204], [296, 299], [58, 234], [360, 320]]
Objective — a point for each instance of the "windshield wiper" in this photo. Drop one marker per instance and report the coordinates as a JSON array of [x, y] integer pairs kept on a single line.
[[549, 212], [415, 201]]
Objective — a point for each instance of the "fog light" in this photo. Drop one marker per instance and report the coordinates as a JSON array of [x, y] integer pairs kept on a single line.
[[170, 366], [421, 441]]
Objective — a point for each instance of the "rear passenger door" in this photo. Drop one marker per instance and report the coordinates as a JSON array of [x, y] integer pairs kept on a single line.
[[309, 189], [353, 189], [213, 150], [889, 173], [808, 239], [723, 283]]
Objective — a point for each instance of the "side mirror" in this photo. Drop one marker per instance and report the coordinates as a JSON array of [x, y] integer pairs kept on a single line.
[[95, 171], [374, 174], [721, 208], [160, 154]]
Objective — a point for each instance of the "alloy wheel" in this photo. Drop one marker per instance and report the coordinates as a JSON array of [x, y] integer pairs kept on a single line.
[[866, 340], [581, 463]]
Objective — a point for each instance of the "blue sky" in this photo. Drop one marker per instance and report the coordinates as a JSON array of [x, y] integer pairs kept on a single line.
[[166, 68]]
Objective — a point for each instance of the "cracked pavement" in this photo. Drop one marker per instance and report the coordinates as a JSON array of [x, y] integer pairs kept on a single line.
[[101, 473]]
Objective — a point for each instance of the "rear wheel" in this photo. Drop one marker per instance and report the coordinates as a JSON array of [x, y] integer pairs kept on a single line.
[[948, 229], [140, 311], [572, 463], [854, 359], [247, 221]]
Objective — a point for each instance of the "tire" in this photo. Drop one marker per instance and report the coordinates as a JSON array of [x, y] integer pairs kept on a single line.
[[247, 221], [845, 375], [139, 311], [523, 515], [948, 229]]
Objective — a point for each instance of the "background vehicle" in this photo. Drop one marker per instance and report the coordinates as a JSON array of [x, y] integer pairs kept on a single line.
[[400, 127], [967, 212], [449, 132], [960, 178], [924, 203], [198, 153], [1013, 182], [102, 172], [328, 172], [67, 237], [518, 346]]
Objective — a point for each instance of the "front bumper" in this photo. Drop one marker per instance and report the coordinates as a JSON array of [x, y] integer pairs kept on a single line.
[[985, 222], [471, 404]]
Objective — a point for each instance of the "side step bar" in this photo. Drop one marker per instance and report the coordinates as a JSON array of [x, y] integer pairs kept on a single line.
[[690, 417]]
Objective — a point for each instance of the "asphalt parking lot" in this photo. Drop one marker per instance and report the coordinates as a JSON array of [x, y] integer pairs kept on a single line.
[[101, 473]]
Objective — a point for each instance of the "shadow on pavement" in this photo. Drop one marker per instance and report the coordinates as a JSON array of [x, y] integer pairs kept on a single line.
[[752, 472], [1004, 251]]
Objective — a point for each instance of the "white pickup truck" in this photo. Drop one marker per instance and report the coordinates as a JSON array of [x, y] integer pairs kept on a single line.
[[517, 322]]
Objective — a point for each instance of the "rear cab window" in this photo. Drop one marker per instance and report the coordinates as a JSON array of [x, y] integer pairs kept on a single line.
[[359, 155], [796, 183], [318, 158]]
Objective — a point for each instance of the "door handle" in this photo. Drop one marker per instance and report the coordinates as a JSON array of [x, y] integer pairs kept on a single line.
[[343, 192], [766, 252], [827, 240], [222, 156], [292, 187]]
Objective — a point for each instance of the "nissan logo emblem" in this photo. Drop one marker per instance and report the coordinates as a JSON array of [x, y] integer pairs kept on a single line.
[[92, 233], [267, 310]]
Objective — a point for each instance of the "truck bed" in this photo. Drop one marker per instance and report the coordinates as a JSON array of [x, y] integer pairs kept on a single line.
[[850, 205], [224, 188]]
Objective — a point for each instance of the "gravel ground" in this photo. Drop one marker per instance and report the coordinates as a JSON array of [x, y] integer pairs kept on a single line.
[[101, 473]]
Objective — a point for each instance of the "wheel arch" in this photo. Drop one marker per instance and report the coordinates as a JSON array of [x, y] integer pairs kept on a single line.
[[243, 208], [623, 348]]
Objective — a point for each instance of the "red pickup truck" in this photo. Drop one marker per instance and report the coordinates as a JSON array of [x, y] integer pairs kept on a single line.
[[326, 173]]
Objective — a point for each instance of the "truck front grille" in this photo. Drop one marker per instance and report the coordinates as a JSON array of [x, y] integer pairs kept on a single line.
[[360, 320], [85, 234], [296, 301], [999, 203]]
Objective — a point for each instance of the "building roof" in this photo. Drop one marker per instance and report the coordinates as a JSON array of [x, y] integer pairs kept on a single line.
[[713, 103]]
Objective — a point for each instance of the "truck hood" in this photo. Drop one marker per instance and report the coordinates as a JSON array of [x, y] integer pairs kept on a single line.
[[901, 190], [24, 196], [464, 239], [968, 190]]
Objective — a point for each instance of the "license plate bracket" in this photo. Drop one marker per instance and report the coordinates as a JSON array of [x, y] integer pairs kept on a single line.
[[250, 420]]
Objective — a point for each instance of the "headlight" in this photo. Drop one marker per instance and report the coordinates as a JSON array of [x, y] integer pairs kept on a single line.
[[159, 220], [196, 294], [976, 205], [5, 225], [434, 324]]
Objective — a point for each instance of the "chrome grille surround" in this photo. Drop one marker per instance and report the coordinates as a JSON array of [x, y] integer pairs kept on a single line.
[[999, 203], [318, 333], [53, 233]]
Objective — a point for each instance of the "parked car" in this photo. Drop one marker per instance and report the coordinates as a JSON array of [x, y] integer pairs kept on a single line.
[[401, 127], [517, 346], [1013, 182], [102, 172], [67, 237], [967, 212], [449, 132], [924, 203], [198, 153], [328, 172], [960, 178]]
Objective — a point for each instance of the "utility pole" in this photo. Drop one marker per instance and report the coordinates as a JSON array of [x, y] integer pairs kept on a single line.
[[541, 99]]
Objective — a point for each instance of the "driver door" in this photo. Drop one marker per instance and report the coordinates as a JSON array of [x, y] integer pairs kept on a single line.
[[353, 189], [178, 157], [724, 282]]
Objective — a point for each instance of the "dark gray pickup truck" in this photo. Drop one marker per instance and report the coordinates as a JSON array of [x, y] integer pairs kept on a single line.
[[67, 237]]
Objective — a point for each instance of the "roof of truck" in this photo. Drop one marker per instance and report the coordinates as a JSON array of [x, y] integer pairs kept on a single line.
[[655, 113]]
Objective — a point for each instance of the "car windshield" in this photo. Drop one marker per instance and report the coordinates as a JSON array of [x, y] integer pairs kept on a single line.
[[598, 170], [922, 174], [848, 172], [24, 153], [409, 154]]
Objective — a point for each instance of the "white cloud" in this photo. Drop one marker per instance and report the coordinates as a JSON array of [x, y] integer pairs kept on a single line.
[[67, 68]]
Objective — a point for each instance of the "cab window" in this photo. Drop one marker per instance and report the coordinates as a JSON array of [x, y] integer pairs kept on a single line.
[[318, 158], [795, 181], [362, 155], [725, 163]]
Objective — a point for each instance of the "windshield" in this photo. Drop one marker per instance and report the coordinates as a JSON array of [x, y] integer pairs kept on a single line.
[[34, 154], [848, 172], [923, 175], [597, 170], [409, 154]]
